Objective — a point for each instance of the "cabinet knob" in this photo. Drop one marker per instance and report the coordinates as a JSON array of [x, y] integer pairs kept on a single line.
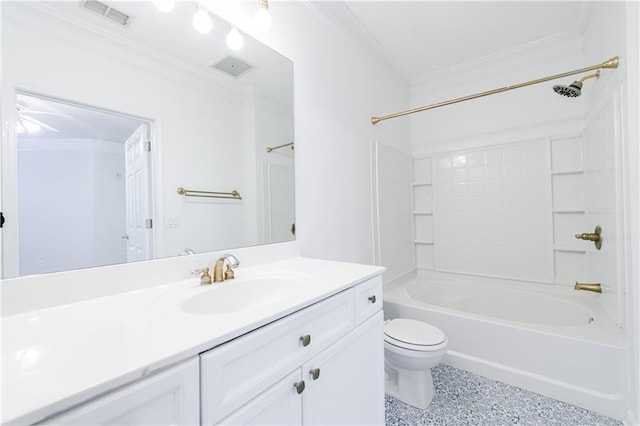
[[315, 373], [372, 299], [306, 339], [299, 386]]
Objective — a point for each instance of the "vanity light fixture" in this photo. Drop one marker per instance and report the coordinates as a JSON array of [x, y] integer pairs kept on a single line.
[[234, 39], [262, 18], [202, 21], [165, 6]]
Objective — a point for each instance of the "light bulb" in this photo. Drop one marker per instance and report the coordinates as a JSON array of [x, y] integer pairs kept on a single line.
[[262, 18], [202, 21], [20, 128], [234, 39], [31, 127], [165, 6]]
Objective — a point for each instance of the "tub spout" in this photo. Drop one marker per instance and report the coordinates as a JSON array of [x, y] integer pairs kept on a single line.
[[595, 287]]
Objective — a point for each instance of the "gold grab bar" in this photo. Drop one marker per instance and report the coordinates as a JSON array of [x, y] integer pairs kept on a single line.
[[209, 194], [269, 148], [611, 63]]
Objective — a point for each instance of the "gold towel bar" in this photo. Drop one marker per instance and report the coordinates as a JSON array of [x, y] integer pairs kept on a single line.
[[269, 148], [210, 194]]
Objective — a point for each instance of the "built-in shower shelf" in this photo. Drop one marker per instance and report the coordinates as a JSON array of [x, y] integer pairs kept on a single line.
[[567, 172], [421, 183], [423, 213], [568, 210], [427, 243], [570, 248]]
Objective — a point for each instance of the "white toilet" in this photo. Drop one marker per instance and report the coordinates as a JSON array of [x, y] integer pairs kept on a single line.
[[411, 349]]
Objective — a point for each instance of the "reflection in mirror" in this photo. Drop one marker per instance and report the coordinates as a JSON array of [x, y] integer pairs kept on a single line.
[[100, 92]]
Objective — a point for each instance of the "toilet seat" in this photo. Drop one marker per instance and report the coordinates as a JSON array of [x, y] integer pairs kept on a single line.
[[413, 335]]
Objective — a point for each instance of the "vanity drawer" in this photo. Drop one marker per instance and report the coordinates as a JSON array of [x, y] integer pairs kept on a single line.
[[238, 371], [368, 298]]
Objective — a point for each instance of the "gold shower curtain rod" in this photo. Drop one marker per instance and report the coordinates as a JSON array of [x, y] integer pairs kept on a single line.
[[611, 63]]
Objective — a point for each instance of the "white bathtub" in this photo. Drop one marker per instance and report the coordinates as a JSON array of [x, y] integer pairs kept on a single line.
[[558, 344]]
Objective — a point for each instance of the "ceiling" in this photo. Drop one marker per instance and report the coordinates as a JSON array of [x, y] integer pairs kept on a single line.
[[422, 37], [69, 121]]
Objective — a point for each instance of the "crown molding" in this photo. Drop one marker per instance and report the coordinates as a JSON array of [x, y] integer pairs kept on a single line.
[[338, 15], [547, 48]]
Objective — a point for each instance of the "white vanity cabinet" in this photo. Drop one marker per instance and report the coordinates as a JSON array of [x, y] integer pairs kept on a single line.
[[321, 365], [168, 397], [345, 383]]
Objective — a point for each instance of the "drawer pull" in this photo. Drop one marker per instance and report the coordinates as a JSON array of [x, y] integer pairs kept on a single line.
[[315, 373], [372, 299], [306, 339], [299, 386]]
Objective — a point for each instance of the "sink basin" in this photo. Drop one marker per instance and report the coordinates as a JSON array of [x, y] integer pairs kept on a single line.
[[241, 294]]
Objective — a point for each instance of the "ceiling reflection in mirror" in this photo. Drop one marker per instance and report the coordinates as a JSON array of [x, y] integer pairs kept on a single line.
[[105, 122]]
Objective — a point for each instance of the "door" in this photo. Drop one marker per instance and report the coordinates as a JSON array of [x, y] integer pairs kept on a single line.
[[139, 236], [345, 383], [280, 203], [280, 405], [170, 397]]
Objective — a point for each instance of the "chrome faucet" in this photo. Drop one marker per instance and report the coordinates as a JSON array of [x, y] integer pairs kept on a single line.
[[218, 276]]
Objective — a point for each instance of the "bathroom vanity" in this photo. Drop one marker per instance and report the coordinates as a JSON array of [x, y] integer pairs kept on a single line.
[[308, 350]]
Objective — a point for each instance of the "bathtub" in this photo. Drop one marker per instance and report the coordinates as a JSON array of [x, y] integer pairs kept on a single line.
[[557, 343]]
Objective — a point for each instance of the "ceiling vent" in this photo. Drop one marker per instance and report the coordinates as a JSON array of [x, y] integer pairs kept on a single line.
[[232, 66], [106, 11]]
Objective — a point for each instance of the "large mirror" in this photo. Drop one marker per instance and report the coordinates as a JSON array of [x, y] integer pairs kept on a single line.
[[128, 135]]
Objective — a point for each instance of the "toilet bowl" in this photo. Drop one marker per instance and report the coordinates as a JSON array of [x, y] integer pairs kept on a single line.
[[411, 349]]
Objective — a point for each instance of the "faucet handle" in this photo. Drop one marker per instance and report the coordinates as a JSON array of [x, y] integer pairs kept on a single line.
[[229, 274], [205, 278]]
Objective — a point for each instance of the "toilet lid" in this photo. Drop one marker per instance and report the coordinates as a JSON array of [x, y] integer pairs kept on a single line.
[[413, 332]]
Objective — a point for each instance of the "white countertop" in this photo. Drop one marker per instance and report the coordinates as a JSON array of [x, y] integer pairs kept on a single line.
[[58, 357]]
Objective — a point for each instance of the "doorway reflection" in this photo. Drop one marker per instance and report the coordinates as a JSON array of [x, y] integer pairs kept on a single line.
[[84, 194]]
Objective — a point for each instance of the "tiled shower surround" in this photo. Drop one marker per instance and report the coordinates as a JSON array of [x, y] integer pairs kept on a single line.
[[507, 211], [491, 212], [464, 398]]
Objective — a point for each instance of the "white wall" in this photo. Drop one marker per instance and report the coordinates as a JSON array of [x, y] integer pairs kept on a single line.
[[72, 212], [338, 86]]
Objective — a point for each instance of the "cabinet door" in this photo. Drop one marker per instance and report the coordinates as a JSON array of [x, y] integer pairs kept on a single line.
[[345, 383], [170, 397], [281, 405]]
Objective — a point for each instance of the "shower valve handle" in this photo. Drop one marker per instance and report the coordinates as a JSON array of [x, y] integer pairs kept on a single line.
[[595, 236], [588, 237]]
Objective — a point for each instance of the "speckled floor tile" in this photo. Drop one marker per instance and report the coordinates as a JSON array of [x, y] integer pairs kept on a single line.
[[464, 398]]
